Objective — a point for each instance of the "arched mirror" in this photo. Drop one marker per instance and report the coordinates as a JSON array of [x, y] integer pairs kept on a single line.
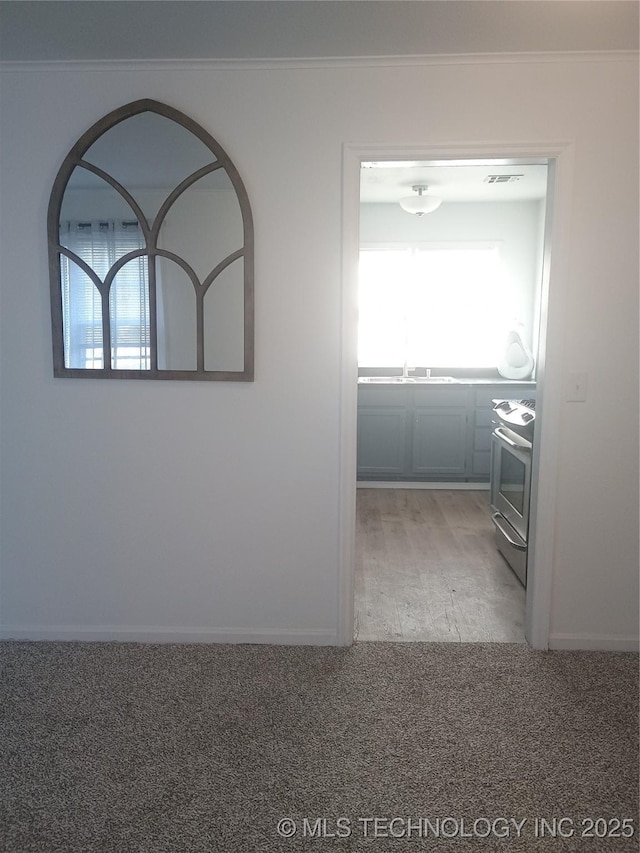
[[150, 253]]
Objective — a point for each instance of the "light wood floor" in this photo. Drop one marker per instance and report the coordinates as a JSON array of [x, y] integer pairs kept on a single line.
[[427, 569]]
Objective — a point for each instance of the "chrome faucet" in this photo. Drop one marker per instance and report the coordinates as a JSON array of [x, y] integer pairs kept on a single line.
[[406, 369]]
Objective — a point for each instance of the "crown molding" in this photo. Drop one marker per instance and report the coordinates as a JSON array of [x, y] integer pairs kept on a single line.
[[276, 64]]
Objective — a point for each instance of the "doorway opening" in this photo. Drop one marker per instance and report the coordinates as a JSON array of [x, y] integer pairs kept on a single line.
[[439, 296]]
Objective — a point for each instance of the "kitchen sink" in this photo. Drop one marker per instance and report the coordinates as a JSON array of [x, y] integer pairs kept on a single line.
[[407, 380], [385, 380]]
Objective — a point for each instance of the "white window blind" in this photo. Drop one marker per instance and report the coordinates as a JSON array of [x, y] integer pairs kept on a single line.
[[100, 244], [431, 306]]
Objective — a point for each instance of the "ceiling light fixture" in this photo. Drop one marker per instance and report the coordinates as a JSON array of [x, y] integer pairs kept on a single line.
[[420, 204]]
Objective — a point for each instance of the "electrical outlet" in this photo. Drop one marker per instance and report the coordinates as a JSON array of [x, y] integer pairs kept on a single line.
[[577, 387]]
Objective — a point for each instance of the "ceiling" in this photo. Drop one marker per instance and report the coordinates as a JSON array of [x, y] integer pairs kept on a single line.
[[382, 182], [69, 30]]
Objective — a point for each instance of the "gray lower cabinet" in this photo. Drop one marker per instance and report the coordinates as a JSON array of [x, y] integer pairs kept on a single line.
[[382, 440], [383, 415], [438, 441], [429, 434], [439, 445]]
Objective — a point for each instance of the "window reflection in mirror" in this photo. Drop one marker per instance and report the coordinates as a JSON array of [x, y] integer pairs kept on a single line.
[[151, 249]]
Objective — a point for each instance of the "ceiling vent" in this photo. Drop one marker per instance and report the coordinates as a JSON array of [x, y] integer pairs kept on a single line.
[[502, 179]]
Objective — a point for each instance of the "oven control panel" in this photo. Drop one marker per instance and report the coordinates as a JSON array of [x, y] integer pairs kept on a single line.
[[518, 415]]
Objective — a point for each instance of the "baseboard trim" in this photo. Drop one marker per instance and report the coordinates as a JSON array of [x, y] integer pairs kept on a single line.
[[403, 484], [144, 634], [591, 643]]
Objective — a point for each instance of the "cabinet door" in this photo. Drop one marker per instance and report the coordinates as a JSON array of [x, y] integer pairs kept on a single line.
[[382, 440], [439, 442]]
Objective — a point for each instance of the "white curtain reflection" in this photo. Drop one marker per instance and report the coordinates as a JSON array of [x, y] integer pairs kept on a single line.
[[100, 244]]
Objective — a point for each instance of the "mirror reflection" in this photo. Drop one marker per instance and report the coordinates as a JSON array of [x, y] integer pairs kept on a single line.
[[177, 318], [151, 235], [150, 153], [223, 313]]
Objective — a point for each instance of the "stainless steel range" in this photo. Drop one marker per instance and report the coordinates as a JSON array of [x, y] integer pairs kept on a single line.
[[511, 448]]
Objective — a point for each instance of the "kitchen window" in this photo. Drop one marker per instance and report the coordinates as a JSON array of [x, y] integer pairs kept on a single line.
[[432, 305]]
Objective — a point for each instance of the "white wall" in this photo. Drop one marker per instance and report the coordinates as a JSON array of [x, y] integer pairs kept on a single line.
[[209, 510], [515, 226]]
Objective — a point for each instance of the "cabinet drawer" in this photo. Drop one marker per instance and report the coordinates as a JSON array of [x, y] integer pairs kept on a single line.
[[427, 397], [383, 397], [486, 395]]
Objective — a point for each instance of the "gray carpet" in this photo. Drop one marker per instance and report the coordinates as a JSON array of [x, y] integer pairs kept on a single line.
[[126, 748]]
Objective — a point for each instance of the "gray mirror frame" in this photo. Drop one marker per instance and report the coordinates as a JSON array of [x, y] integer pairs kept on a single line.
[[222, 161]]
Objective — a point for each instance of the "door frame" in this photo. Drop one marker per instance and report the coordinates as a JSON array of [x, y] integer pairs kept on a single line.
[[560, 158]]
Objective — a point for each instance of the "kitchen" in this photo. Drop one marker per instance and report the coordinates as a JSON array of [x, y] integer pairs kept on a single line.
[[451, 265]]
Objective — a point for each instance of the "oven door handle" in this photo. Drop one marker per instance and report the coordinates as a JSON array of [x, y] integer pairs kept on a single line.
[[500, 523], [503, 437]]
